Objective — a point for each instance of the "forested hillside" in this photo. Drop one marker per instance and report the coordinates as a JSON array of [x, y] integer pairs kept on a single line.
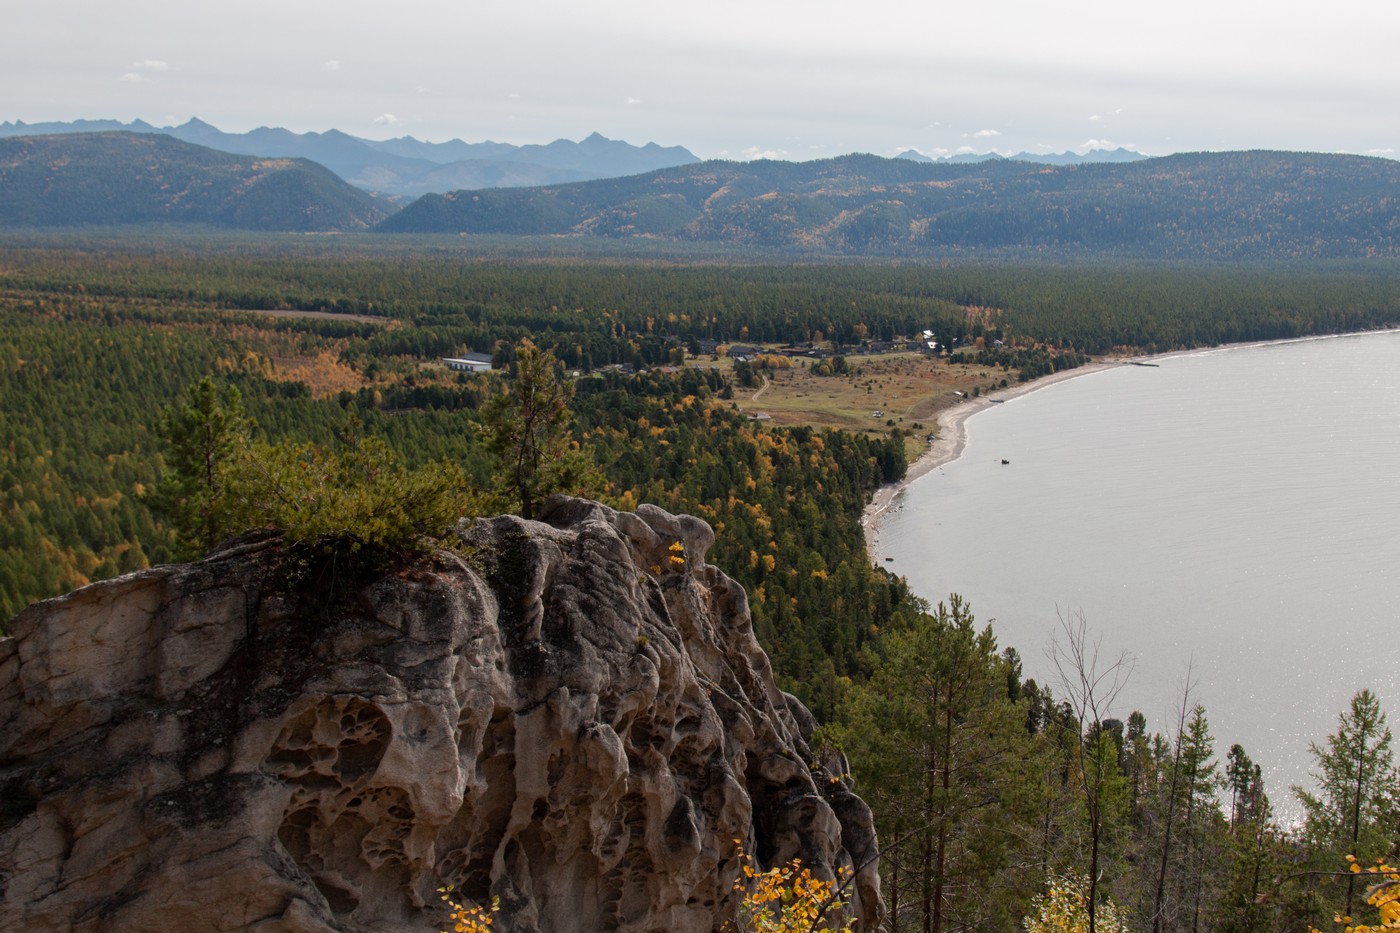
[[1215, 206], [1230, 206], [997, 798], [115, 179]]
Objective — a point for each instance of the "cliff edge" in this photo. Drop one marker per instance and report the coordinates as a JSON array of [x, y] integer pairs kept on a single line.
[[571, 715]]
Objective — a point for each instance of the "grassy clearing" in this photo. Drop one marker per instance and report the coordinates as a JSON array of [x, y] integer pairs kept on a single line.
[[908, 389]]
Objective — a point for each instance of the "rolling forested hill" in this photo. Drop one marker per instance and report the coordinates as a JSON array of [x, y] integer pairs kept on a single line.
[[1215, 206], [114, 179], [1233, 206]]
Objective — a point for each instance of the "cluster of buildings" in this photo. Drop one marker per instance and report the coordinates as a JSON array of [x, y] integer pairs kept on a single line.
[[925, 343]]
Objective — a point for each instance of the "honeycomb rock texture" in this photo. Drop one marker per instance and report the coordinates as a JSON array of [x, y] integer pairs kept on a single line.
[[571, 715]]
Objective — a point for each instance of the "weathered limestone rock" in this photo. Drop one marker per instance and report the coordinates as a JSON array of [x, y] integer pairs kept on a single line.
[[560, 716]]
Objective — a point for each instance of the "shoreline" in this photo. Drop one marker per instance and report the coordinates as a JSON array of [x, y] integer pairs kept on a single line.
[[952, 422], [952, 439]]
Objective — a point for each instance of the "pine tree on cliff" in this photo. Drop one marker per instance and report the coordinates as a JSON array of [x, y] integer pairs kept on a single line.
[[204, 433], [528, 431]]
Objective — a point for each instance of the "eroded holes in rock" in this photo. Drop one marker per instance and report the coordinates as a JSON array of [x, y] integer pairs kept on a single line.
[[295, 834], [293, 762], [380, 856], [338, 895], [469, 876], [680, 827], [500, 733], [692, 749], [357, 761], [420, 721], [390, 826], [539, 811], [451, 868], [469, 730], [339, 739], [555, 771]]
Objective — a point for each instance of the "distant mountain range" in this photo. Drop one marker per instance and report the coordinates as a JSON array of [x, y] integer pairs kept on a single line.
[[407, 167], [113, 179], [1217, 206], [1233, 205], [1044, 158]]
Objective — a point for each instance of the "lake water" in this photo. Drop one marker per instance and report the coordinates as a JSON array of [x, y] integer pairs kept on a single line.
[[1235, 512]]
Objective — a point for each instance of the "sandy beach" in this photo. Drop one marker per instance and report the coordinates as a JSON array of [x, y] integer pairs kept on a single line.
[[951, 438]]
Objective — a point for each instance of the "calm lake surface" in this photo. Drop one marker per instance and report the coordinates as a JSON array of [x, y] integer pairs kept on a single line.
[[1235, 512]]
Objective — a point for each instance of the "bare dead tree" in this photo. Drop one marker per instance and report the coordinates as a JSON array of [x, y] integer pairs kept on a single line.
[[1158, 900], [1091, 684]]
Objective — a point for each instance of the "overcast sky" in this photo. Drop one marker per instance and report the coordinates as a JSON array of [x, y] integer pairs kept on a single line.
[[729, 78]]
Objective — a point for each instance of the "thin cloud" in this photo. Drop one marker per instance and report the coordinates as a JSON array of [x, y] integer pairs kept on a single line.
[[985, 134], [139, 71], [937, 152], [387, 119], [758, 152], [632, 100], [332, 65]]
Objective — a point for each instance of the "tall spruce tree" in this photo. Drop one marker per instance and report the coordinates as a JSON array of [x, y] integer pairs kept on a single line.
[[1358, 801], [204, 432]]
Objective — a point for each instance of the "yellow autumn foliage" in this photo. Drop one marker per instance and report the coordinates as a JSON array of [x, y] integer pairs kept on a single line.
[[1383, 895], [468, 918], [788, 899], [1064, 908]]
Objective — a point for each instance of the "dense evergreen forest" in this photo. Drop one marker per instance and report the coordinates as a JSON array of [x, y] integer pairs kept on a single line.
[[985, 785]]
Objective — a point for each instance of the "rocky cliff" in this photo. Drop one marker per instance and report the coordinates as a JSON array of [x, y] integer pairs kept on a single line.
[[571, 715]]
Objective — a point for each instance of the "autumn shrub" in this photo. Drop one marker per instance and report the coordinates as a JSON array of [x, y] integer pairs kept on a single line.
[[1382, 895], [468, 917], [1064, 908], [789, 899]]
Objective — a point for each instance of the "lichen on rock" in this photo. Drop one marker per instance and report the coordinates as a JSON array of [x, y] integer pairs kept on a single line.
[[571, 715]]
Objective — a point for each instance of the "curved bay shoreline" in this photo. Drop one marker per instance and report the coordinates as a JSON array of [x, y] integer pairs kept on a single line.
[[951, 435], [951, 438]]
